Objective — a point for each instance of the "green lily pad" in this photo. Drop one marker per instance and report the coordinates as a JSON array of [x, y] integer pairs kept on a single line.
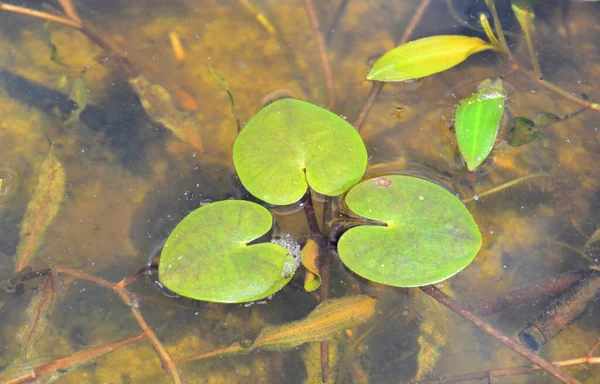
[[426, 56], [291, 144], [207, 256], [477, 120], [428, 235]]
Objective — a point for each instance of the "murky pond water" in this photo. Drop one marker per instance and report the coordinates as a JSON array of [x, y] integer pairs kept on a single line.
[[129, 181]]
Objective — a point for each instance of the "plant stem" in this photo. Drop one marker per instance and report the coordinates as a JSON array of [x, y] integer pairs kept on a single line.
[[378, 85], [234, 349], [167, 362], [522, 370], [337, 17], [496, 334], [557, 89], [317, 235], [310, 11], [498, 26], [40, 15], [311, 218], [504, 186]]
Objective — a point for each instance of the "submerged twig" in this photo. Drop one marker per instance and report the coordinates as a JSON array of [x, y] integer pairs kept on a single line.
[[37, 372], [496, 334], [316, 235], [378, 85], [504, 186], [167, 362], [40, 15], [337, 17], [310, 11]]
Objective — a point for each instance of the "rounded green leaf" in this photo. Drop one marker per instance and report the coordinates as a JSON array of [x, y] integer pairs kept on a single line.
[[428, 235], [291, 142], [207, 257], [424, 57], [477, 120]]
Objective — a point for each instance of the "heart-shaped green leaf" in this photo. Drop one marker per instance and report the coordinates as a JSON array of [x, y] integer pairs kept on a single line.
[[290, 142], [207, 257], [424, 57], [477, 120], [428, 235]]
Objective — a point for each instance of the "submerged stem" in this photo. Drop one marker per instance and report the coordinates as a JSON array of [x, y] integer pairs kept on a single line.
[[378, 85], [496, 334], [310, 11], [492, 7], [505, 185], [40, 15]]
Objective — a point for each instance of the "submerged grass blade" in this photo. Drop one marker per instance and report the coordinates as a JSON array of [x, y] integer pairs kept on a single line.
[[225, 85], [41, 210], [38, 310], [159, 106], [329, 318]]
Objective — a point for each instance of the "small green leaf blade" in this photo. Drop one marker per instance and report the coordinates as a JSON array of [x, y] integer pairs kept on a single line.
[[424, 57], [477, 121], [206, 257], [291, 144], [429, 234]]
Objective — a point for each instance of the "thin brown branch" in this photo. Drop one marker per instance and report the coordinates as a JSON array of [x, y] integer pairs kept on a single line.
[[84, 276], [231, 350], [39, 15], [505, 186], [70, 11], [522, 370], [324, 295], [496, 334], [86, 355], [378, 85], [557, 89], [364, 112], [166, 360], [593, 349], [314, 21], [413, 22]]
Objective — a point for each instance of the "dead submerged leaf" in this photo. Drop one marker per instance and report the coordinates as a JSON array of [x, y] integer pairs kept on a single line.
[[38, 311], [41, 210], [323, 323], [159, 106], [329, 318], [310, 258]]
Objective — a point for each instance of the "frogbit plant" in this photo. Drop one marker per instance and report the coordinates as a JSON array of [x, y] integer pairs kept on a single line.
[[413, 231]]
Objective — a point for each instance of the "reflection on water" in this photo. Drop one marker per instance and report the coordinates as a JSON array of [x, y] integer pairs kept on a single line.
[[129, 180]]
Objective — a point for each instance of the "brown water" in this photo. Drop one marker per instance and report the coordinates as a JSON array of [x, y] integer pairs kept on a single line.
[[129, 181]]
